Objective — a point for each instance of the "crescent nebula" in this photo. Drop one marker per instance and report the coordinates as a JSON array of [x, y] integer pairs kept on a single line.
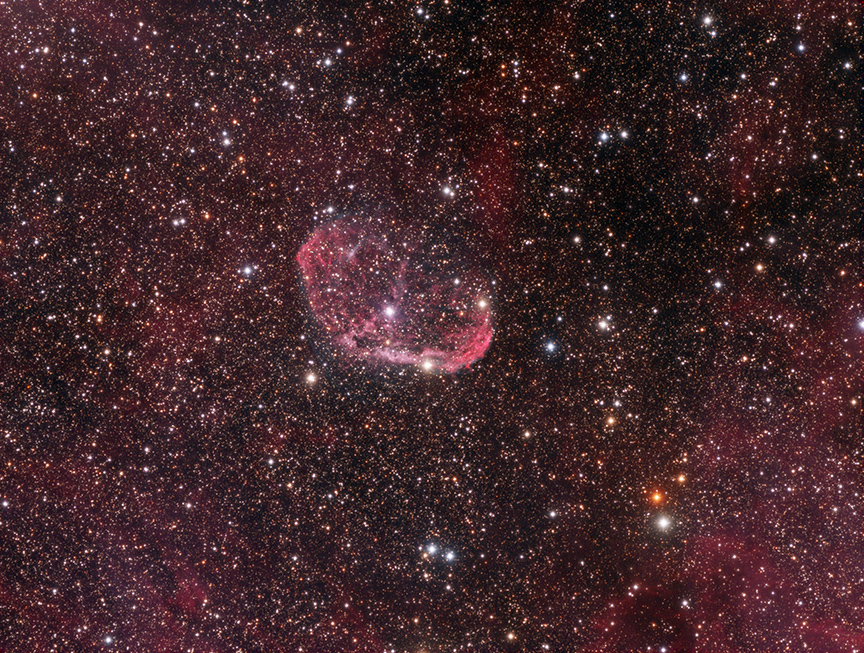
[[382, 292]]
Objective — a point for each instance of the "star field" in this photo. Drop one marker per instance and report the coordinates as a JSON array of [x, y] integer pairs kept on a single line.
[[605, 397]]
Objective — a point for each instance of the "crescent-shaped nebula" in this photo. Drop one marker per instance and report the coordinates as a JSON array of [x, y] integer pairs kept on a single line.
[[382, 292]]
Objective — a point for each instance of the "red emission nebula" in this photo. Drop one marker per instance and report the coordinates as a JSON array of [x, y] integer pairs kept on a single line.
[[383, 293]]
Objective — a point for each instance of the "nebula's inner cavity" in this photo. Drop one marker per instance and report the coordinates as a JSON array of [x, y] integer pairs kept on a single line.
[[398, 295]]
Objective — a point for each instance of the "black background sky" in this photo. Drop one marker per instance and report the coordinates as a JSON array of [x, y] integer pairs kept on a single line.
[[661, 449]]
